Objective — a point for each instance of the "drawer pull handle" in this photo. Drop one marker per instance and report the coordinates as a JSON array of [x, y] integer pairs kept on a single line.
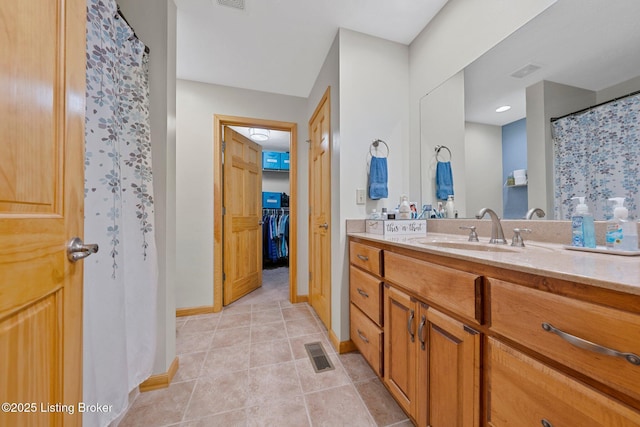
[[545, 423], [423, 320], [634, 359], [410, 325], [363, 293], [363, 257], [362, 337]]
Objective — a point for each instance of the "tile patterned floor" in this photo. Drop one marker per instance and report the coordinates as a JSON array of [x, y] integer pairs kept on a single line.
[[247, 366]]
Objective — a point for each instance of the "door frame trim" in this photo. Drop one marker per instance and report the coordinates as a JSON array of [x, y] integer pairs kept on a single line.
[[218, 244]]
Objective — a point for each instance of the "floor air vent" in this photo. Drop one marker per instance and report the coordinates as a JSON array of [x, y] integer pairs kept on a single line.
[[319, 358]]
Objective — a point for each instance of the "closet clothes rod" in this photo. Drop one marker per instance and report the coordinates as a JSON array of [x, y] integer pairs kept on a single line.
[[146, 48], [584, 110]]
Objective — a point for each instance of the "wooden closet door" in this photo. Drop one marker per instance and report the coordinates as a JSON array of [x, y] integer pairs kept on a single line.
[[42, 105]]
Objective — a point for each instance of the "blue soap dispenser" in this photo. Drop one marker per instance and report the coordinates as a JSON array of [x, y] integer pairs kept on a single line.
[[583, 232]]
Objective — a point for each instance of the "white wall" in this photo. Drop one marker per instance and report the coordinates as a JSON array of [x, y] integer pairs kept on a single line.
[[462, 31], [155, 23], [374, 96], [276, 182], [616, 91], [442, 123], [196, 105], [484, 180]]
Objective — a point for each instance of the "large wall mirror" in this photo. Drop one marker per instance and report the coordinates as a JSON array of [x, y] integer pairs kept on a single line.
[[574, 55]]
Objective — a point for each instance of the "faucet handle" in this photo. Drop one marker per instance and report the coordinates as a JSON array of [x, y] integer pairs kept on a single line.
[[517, 238], [473, 236]]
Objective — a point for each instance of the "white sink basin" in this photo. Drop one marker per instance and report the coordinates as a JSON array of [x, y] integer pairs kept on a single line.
[[467, 246]]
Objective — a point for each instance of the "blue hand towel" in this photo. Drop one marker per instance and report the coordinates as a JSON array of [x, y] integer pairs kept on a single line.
[[378, 178], [444, 180]]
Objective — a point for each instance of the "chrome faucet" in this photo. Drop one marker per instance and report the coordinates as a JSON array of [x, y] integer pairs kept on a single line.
[[497, 235], [539, 212]]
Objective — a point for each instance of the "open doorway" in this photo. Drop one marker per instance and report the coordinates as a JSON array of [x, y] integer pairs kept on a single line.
[[275, 182], [275, 214]]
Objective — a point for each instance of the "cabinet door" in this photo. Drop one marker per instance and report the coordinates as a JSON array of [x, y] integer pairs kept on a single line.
[[400, 347], [448, 371]]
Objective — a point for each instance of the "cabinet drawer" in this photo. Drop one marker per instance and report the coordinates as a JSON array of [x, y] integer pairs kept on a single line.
[[455, 290], [364, 291], [518, 312], [368, 338], [366, 257], [524, 392]]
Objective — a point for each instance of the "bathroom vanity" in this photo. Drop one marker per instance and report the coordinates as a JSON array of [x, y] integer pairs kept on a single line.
[[468, 334]]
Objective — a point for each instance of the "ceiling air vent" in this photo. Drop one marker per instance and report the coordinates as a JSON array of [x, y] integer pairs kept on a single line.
[[236, 4], [524, 71]]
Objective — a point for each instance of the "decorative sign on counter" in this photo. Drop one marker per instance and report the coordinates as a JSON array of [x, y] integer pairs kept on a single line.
[[396, 227]]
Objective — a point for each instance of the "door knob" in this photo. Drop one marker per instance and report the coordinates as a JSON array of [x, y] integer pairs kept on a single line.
[[77, 250], [325, 226]]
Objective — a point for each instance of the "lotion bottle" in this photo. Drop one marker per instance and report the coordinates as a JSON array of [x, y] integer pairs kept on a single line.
[[583, 233], [616, 225]]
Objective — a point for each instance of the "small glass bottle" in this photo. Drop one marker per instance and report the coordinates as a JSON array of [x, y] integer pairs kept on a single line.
[[450, 208], [405, 209]]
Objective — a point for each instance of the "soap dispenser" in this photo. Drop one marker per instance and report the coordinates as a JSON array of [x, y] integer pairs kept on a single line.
[[621, 233], [583, 232]]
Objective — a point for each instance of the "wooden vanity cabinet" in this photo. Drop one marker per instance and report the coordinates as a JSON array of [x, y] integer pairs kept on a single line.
[[448, 390], [431, 361], [525, 392], [572, 333], [496, 348], [522, 314], [400, 362], [365, 308]]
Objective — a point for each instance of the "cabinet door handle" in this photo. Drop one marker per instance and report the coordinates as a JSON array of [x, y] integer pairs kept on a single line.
[[410, 325], [632, 358], [545, 423], [363, 293], [362, 337], [363, 257], [423, 321]]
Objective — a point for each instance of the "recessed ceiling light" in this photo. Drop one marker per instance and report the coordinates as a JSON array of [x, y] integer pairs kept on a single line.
[[503, 108]]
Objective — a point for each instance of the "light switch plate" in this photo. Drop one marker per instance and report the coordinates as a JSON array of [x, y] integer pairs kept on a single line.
[[360, 196]]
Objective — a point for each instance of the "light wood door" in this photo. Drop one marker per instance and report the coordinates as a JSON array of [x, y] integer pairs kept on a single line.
[[320, 210], [448, 371], [42, 95], [400, 347], [243, 215]]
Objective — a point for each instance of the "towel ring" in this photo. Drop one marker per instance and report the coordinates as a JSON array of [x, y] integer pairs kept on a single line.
[[442, 147], [375, 144]]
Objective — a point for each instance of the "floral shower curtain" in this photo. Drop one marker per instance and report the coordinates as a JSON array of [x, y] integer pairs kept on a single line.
[[120, 281], [597, 155]]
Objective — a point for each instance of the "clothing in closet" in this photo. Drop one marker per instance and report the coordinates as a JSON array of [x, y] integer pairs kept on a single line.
[[275, 236]]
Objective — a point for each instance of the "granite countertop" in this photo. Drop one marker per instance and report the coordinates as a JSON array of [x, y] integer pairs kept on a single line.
[[614, 272]]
